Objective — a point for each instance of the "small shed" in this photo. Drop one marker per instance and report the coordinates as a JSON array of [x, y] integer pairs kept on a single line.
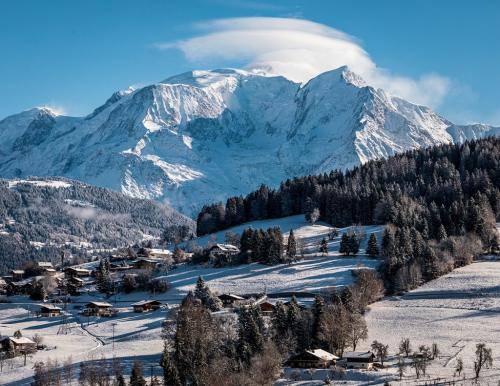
[[146, 305], [316, 359], [49, 310], [230, 300], [359, 359], [99, 309]]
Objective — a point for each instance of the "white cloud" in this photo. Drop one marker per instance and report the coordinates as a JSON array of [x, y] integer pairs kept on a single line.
[[299, 50]]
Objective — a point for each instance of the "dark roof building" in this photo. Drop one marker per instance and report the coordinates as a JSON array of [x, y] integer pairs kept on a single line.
[[317, 359]]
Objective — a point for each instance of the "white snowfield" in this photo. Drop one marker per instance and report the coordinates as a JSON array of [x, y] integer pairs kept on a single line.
[[203, 136]]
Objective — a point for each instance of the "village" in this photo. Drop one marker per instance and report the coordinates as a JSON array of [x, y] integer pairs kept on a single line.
[[63, 304]]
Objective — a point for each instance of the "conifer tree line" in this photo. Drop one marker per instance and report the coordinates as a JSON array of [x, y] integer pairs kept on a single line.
[[440, 205]]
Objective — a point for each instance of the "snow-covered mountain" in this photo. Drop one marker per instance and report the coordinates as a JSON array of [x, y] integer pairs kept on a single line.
[[205, 135]]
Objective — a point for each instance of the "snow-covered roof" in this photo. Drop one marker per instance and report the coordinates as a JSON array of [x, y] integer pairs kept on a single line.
[[226, 247], [79, 269], [157, 251], [100, 304], [45, 264], [18, 271], [322, 354], [358, 355], [143, 302], [50, 307], [231, 296], [21, 340]]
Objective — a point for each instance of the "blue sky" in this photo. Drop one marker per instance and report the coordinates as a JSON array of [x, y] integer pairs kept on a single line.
[[73, 55]]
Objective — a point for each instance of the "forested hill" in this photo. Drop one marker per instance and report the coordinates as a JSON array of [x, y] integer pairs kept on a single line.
[[441, 180], [40, 217], [442, 203]]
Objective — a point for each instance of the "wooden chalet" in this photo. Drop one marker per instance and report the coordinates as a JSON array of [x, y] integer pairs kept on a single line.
[[77, 272], [49, 310], [146, 263], [231, 300], [146, 305], [17, 274], [359, 359], [224, 250], [18, 345], [44, 265], [99, 309], [159, 253], [312, 359]]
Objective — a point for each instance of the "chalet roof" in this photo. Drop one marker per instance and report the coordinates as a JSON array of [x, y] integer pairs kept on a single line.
[[45, 264], [78, 269], [148, 260], [157, 251], [358, 355], [226, 248], [231, 296], [99, 304], [322, 354], [143, 302], [18, 271], [21, 340], [50, 307]]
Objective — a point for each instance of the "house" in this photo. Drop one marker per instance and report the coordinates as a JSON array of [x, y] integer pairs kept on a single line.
[[119, 266], [230, 300], [44, 265], [23, 287], [3, 286], [266, 307], [160, 253], [316, 359], [146, 263], [77, 272], [99, 309], [49, 271], [226, 251], [359, 359], [17, 274], [18, 345], [49, 310], [146, 305]]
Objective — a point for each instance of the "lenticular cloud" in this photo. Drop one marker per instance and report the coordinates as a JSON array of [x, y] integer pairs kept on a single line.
[[300, 50]]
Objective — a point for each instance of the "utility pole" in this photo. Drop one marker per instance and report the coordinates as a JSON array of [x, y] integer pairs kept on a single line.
[[113, 326]]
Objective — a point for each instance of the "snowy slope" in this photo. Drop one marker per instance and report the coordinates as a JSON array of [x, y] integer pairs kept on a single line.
[[202, 136]]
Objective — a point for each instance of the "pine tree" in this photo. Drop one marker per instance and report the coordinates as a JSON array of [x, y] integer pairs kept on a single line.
[[318, 310], [441, 235], [170, 373], [203, 293], [291, 250], [104, 283], [372, 247], [324, 247], [136, 377], [344, 245], [250, 332], [353, 244]]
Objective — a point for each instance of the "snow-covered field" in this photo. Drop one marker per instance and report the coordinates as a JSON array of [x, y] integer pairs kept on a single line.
[[456, 311]]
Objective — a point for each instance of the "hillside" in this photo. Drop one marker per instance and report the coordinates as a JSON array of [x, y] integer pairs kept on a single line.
[[41, 217], [203, 136]]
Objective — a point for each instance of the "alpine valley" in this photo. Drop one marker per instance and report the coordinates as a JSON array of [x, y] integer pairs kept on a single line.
[[203, 136]]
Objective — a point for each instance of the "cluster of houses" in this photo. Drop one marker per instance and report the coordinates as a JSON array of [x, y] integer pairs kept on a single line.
[[72, 279]]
